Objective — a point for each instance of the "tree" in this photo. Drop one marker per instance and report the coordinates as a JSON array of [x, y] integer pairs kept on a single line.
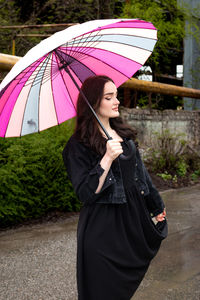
[[64, 11], [8, 16], [14, 12], [169, 20]]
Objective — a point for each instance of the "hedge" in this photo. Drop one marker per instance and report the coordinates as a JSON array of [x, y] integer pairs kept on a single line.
[[33, 178]]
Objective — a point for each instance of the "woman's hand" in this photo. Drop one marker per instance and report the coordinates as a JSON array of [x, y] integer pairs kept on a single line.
[[161, 217], [113, 149]]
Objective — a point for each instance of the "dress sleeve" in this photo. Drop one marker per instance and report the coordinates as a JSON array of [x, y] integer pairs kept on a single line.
[[81, 171], [154, 200]]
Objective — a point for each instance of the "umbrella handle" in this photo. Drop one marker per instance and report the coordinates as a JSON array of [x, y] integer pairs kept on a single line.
[[131, 148]]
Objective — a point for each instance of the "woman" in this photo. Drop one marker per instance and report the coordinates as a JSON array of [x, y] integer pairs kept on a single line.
[[116, 235]]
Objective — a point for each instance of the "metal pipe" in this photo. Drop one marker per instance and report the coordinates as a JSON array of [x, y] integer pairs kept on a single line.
[[8, 61], [161, 88]]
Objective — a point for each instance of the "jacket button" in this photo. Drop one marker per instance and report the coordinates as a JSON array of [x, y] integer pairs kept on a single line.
[[136, 179], [142, 192], [110, 179], [136, 165]]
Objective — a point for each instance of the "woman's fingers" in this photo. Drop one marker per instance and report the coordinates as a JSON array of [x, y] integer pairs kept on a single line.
[[114, 148], [161, 217]]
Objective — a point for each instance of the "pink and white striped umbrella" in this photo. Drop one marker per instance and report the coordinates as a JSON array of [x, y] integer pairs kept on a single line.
[[38, 93]]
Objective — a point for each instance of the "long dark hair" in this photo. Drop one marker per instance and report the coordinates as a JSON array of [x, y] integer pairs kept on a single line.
[[87, 130]]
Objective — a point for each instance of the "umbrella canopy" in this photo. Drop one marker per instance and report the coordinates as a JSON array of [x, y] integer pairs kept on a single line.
[[38, 93]]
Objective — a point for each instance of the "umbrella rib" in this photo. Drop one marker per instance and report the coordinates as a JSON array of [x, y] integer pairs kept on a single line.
[[119, 34], [48, 57], [80, 41], [65, 85], [115, 47], [53, 92], [30, 80], [20, 81], [101, 35], [79, 47], [28, 98], [47, 76], [78, 62], [115, 42], [89, 49], [109, 64]]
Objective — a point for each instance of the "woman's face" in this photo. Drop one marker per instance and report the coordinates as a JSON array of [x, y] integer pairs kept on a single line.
[[109, 104]]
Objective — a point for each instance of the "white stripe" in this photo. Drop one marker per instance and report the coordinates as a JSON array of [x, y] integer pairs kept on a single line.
[[51, 43], [141, 32], [136, 54], [47, 114]]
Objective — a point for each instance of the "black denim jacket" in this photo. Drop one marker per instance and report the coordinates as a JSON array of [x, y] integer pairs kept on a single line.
[[84, 170]]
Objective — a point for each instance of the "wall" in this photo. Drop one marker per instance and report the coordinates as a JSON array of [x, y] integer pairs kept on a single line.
[[147, 122]]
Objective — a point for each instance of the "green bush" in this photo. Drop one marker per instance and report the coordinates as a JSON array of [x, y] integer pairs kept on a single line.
[[181, 167], [195, 175], [33, 179], [167, 153], [171, 157]]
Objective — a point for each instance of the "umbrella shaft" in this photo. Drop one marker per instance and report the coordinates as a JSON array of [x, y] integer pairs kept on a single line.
[[86, 100]]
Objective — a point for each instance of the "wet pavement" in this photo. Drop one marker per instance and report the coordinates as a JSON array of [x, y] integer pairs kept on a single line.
[[175, 272], [38, 262]]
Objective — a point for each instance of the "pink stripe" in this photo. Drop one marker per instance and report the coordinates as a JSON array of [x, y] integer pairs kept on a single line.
[[126, 24], [103, 69], [136, 24], [63, 105], [99, 68], [47, 114], [7, 93], [10, 96], [121, 64], [13, 84], [15, 121], [72, 89]]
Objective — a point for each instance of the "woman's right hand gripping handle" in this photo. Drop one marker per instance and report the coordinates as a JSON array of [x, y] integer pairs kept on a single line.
[[113, 150]]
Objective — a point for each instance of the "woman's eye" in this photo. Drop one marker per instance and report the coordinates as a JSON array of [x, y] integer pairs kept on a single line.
[[108, 98]]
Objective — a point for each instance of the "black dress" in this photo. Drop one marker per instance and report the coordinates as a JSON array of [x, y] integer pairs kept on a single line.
[[116, 243]]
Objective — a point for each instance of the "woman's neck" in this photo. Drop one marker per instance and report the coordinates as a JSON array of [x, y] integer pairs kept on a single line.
[[112, 133], [106, 125]]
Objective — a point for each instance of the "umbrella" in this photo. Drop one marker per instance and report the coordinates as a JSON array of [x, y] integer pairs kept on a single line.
[[41, 90]]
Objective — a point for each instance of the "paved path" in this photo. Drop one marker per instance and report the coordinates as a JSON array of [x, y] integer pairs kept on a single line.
[[175, 272], [38, 262]]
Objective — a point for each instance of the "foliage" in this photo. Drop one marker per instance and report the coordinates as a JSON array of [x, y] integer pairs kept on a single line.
[[168, 150], [166, 176], [33, 178], [181, 167], [18, 12], [64, 11], [158, 101], [170, 158], [195, 175], [169, 20]]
